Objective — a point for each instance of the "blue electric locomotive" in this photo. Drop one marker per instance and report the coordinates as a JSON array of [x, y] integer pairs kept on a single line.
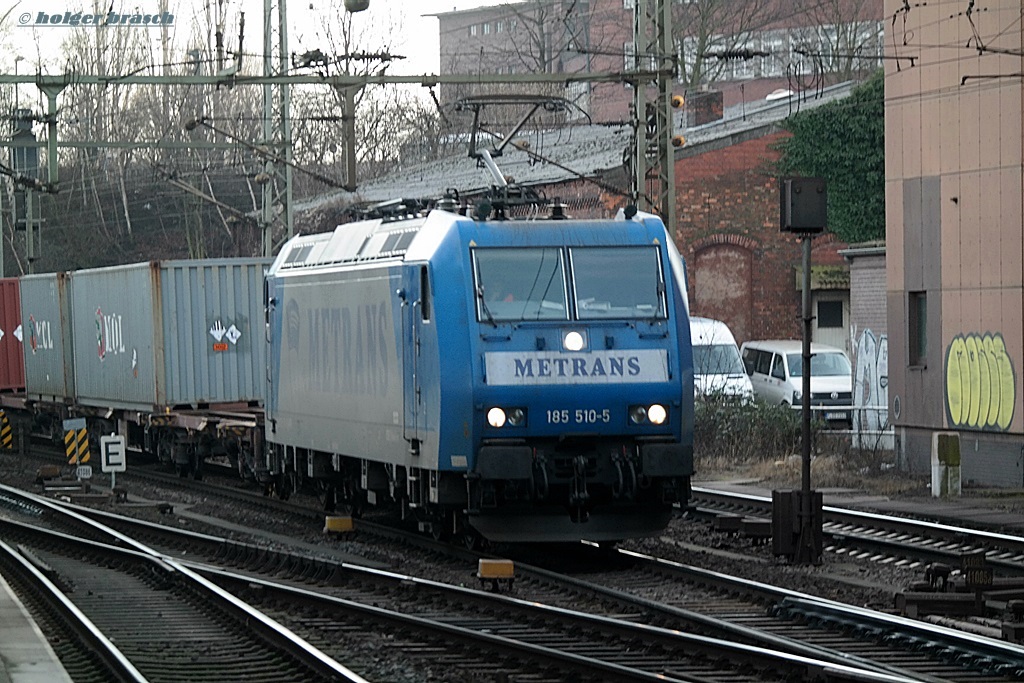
[[526, 380]]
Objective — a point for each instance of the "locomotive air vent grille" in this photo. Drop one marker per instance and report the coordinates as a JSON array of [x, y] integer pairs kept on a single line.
[[297, 256], [386, 245]]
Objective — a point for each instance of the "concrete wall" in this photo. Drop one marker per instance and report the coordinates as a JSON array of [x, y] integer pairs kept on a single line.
[[955, 232]]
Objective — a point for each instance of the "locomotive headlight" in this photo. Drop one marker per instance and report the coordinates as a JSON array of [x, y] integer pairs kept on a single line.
[[516, 417], [496, 417], [654, 414], [573, 341]]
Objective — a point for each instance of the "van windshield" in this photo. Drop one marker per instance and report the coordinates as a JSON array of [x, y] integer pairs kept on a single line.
[[829, 364], [717, 359]]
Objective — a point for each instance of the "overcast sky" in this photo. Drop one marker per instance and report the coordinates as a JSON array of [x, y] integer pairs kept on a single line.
[[400, 22]]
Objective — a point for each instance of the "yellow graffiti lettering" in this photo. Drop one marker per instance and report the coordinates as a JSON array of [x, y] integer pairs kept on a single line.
[[954, 395], [984, 386], [981, 385], [1007, 387], [973, 380]]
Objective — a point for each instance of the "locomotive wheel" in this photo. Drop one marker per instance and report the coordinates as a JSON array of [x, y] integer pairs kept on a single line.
[[195, 466]]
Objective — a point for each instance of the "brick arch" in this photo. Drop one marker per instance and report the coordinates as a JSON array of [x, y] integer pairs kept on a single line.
[[721, 277], [743, 241]]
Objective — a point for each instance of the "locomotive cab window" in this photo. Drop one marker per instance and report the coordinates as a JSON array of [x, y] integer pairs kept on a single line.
[[618, 282], [514, 284]]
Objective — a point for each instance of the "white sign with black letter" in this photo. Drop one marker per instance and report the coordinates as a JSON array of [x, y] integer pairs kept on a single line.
[[112, 454]]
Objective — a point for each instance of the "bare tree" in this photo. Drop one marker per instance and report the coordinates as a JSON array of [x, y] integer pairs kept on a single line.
[[843, 38]]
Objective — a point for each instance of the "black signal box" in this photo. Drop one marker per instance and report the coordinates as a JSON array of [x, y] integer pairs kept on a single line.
[[803, 205]]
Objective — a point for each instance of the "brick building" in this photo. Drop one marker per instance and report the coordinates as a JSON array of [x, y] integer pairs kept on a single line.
[[743, 269], [795, 45]]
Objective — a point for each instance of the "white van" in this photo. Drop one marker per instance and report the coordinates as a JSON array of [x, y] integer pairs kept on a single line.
[[776, 372], [716, 361]]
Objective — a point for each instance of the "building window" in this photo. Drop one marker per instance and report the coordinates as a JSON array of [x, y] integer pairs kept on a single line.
[[629, 55], [487, 29], [499, 27], [628, 4], [917, 334], [830, 314], [472, 30]]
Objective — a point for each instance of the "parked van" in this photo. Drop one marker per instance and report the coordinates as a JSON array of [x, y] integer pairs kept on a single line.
[[716, 361], [775, 368]]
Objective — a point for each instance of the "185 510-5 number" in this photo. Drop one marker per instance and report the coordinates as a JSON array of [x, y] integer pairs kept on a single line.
[[579, 416]]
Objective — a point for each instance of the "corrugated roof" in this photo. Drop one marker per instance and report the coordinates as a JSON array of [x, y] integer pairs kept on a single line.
[[589, 150]]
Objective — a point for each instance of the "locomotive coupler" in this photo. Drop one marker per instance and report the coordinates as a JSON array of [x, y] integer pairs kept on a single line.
[[579, 495]]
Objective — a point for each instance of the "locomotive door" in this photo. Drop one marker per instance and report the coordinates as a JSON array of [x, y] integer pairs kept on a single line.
[[415, 316]]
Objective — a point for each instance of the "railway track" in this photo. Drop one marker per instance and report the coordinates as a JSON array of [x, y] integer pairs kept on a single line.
[[766, 618], [531, 640], [686, 599], [911, 541], [145, 615]]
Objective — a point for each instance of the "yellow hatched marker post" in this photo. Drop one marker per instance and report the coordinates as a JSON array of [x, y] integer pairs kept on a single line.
[[76, 445], [6, 433]]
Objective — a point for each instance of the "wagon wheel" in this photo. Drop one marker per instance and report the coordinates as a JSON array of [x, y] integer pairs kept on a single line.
[[164, 450]]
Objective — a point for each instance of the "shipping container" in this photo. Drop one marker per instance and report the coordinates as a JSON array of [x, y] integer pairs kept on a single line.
[[12, 362], [49, 363], [169, 334]]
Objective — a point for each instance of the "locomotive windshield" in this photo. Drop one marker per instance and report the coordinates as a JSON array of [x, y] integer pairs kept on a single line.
[[516, 284], [617, 282], [520, 284]]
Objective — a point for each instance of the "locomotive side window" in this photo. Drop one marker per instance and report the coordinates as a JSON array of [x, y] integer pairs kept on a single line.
[[519, 284], [424, 294], [618, 282]]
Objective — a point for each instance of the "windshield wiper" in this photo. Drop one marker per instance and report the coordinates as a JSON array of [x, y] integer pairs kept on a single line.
[[483, 306]]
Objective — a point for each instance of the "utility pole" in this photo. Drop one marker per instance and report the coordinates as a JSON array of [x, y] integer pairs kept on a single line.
[[277, 129], [654, 51]]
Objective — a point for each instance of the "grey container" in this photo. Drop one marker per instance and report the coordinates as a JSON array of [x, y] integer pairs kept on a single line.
[[170, 334], [46, 337]]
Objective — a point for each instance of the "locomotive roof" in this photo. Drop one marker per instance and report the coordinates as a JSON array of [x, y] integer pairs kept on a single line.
[[362, 241]]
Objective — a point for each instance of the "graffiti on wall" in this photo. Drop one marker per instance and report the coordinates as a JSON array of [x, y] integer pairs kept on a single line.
[[981, 385], [871, 382]]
